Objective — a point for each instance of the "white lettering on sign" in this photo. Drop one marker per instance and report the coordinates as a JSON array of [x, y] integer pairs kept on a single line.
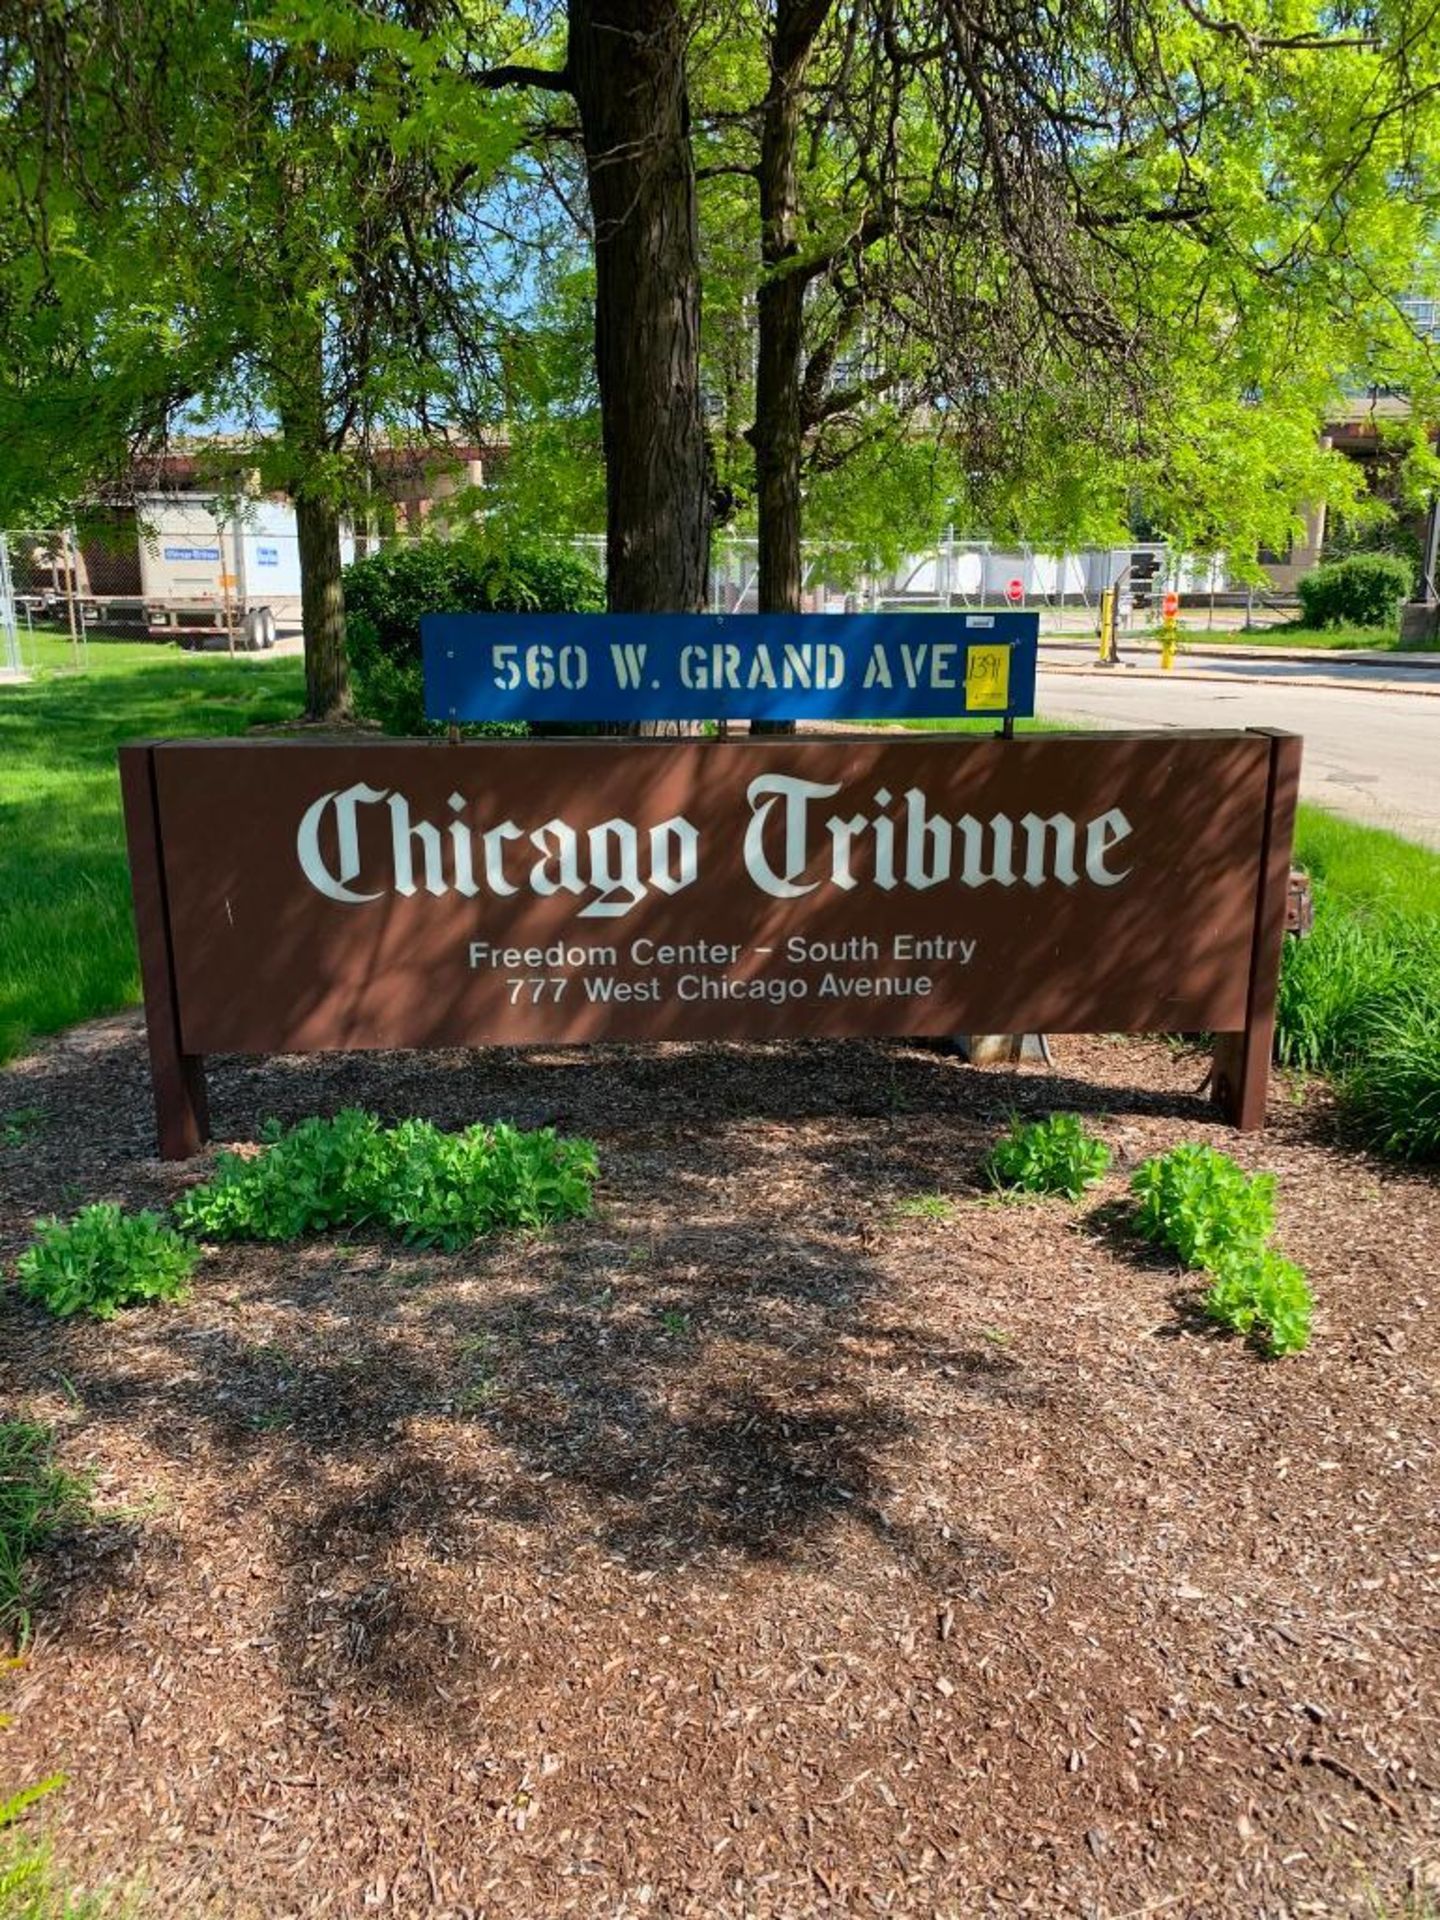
[[721, 666], [333, 883], [927, 849], [792, 847], [611, 866]]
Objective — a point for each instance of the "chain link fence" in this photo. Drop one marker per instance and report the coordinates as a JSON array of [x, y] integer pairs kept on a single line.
[[11, 665], [1064, 586], [189, 569]]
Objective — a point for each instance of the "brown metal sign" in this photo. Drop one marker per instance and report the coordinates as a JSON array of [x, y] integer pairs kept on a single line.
[[298, 897]]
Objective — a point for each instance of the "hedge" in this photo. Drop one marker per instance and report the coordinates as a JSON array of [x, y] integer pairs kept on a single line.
[[386, 593], [1363, 591]]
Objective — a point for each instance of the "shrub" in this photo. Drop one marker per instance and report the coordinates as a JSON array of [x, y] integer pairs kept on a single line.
[[1054, 1155], [1202, 1206], [431, 1188], [105, 1259], [386, 593], [37, 1501], [1264, 1297], [1363, 591]]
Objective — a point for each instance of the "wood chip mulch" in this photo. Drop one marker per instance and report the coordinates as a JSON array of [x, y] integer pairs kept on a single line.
[[768, 1544]]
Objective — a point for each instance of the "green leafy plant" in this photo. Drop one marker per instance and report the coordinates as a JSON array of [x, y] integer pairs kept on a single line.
[[386, 593], [1262, 1296], [1363, 966], [37, 1501], [1054, 1155], [1217, 1217], [105, 1259], [429, 1187], [1363, 591], [1201, 1205]]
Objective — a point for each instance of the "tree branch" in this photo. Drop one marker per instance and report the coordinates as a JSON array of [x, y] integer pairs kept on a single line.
[[1145, 216], [848, 399], [544, 79], [1258, 43]]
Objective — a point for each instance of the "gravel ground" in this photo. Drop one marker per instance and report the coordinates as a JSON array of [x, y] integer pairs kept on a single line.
[[764, 1545]]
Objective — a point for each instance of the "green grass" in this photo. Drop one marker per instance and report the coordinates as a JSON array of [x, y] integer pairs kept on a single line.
[[922, 1206], [49, 649], [1292, 634], [37, 1501], [1360, 999], [31, 1888], [1365, 868], [67, 946], [1289, 633]]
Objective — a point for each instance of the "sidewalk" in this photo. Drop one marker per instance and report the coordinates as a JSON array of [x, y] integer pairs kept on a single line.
[[1351, 670], [1204, 647]]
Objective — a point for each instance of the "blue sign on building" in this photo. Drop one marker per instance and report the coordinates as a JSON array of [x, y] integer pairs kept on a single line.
[[192, 553], [620, 667], [267, 556]]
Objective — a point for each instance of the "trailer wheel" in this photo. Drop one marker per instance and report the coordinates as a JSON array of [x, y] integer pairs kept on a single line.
[[259, 630]]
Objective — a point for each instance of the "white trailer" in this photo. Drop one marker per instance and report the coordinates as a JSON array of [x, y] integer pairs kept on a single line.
[[208, 567]]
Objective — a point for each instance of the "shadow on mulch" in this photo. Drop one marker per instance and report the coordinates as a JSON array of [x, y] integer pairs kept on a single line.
[[600, 1089], [1112, 1226], [733, 1396], [1191, 1318], [743, 1414]]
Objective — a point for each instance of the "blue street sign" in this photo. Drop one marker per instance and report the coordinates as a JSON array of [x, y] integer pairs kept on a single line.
[[618, 667]]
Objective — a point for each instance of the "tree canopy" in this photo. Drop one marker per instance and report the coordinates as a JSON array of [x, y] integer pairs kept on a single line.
[[846, 269], [259, 224]]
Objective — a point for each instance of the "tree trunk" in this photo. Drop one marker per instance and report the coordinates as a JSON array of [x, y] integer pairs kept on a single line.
[[778, 432], [303, 424], [627, 68], [322, 608]]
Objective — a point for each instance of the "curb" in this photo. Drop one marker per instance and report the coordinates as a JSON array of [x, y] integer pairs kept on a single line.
[[1320, 656]]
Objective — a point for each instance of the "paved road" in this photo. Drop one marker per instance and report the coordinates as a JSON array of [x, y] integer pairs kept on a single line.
[[1374, 757]]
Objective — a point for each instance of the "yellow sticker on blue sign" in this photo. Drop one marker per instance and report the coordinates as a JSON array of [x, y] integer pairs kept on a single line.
[[987, 679]]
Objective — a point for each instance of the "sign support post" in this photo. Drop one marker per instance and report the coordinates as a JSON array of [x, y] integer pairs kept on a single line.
[[182, 1109], [1241, 1075]]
